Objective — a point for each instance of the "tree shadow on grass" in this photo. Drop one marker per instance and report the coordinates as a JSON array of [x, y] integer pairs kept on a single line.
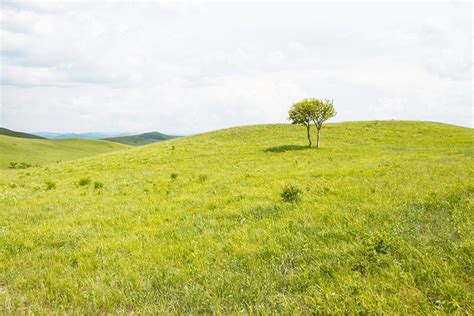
[[284, 148]]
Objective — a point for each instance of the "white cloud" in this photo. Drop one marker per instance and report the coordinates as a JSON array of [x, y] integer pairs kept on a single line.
[[297, 46], [235, 58], [184, 68]]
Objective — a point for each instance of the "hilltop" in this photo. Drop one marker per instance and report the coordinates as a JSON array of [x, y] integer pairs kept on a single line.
[[8, 132], [141, 139], [197, 225], [42, 152]]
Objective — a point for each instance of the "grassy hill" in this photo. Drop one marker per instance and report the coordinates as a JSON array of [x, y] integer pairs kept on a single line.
[[141, 139], [198, 225], [8, 132], [44, 151], [91, 135]]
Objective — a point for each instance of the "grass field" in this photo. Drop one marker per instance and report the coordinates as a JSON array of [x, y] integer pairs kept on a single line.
[[45, 151], [384, 224]]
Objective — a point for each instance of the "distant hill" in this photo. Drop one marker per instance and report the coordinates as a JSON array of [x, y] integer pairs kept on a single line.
[[93, 135], [8, 132], [141, 139], [19, 153]]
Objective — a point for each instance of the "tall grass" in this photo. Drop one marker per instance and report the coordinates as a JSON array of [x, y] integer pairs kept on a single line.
[[384, 225]]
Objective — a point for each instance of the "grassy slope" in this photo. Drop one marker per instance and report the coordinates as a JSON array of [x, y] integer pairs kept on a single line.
[[7, 132], [45, 151], [385, 224], [141, 139]]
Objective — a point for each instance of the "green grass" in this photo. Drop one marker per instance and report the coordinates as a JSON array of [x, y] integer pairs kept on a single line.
[[46, 151], [142, 139], [8, 132], [383, 224]]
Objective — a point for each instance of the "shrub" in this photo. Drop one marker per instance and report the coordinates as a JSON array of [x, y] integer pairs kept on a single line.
[[202, 178], [174, 175], [98, 185], [290, 194], [24, 165], [50, 185], [20, 165], [379, 243], [84, 181]]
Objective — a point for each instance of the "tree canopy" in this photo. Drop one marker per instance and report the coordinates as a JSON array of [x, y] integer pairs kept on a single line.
[[302, 112], [310, 111], [323, 111]]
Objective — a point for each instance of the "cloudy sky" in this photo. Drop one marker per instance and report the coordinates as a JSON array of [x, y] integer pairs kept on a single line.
[[180, 68]]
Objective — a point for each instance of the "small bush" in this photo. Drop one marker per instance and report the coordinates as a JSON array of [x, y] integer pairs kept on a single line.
[[174, 175], [98, 185], [50, 185], [379, 244], [290, 194], [84, 181], [19, 165], [24, 165], [202, 178]]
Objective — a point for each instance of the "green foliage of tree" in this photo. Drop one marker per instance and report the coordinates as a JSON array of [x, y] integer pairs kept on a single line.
[[310, 111], [323, 111], [302, 112]]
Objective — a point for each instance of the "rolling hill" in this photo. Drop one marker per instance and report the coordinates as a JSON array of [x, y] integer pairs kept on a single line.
[[382, 222], [8, 132], [93, 135], [45, 151], [141, 139]]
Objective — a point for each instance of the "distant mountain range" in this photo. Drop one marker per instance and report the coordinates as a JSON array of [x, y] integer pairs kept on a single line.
[[93, 135], [141, 139], [122, 138]]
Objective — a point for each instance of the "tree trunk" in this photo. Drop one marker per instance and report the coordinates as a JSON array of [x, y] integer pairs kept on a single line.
[[319, 135], [309, 135]]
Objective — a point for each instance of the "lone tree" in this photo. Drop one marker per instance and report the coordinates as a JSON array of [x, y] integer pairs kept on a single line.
[[302, 113], [310, 111], [323, 111]]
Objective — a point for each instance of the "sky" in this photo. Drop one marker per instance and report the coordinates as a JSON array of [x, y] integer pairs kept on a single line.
[[187, 67]]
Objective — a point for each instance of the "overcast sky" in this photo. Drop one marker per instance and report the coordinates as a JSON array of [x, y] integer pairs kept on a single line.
[[182, 69]]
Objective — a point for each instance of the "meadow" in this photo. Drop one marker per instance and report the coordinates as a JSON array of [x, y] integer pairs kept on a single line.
[[384, 224], [41, 152]]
